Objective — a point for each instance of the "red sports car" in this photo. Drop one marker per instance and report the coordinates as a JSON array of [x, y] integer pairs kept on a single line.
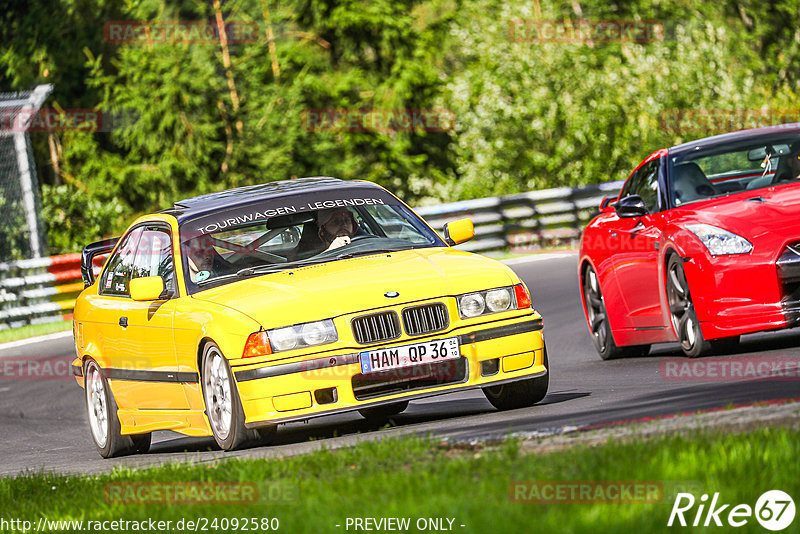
[[701, 246]]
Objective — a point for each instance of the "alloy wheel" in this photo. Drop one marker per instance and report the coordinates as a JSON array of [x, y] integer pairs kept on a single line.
[[596, 310], [219, 401], [97, 404], [682, 311]]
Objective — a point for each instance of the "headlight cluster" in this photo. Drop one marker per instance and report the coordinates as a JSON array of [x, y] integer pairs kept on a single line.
[[297, 336], [720, 242], [493, 301], [302, 335]]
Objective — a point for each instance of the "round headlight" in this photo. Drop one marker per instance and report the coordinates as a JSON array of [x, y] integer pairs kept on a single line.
[[472, 305], [498, 299], [314, 333], [283, 338]]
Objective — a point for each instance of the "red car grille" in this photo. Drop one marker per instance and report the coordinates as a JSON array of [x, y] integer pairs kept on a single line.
[[788, 266]]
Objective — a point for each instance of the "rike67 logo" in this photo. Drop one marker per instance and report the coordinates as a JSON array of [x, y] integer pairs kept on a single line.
[[774, 510]]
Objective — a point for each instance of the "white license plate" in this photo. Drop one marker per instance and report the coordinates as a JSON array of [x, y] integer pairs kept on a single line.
[[407, 355]]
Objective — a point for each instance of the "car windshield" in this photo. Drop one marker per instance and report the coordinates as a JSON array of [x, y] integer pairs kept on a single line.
[[294, 231], [741, 166]]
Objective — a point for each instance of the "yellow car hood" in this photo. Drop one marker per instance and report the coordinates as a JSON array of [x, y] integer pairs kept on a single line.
[[358, 284]]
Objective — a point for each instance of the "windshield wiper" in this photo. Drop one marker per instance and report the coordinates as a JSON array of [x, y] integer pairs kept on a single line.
[[353, 254], [264, 269]]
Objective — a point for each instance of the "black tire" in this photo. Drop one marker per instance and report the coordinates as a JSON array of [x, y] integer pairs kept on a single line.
[[383, 412], [223, 404], [104, 423], [597, 321], [520, 394], [725, 345], [141, 443], [682, 312]]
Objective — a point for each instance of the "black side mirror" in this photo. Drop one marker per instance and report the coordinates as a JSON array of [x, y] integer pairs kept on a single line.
[[630, 206]]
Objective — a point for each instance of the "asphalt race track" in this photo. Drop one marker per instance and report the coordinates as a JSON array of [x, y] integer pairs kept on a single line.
[[44, 426]]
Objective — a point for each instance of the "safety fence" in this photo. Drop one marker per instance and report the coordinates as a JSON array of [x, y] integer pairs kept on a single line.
[[526, 222], [39, 290], [44, 290]]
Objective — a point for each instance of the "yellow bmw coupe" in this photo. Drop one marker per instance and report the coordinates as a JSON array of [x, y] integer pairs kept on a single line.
[[233, 312]]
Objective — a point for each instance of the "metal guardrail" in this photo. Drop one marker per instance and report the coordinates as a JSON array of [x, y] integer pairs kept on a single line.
[[39, 290], [525, 222], [44, 290]]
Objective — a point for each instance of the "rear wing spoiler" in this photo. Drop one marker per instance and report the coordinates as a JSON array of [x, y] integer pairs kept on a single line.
[[87, 257]]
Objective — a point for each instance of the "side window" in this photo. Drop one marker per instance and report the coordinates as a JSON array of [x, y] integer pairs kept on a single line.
[[645, 184], [117, 276], [649, 185], [154, 257]]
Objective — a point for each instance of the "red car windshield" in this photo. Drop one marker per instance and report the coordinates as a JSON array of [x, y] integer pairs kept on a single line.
[[720, 171]]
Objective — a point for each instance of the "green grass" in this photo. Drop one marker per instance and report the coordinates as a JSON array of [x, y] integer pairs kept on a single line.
[[415, 478], [31, 330]]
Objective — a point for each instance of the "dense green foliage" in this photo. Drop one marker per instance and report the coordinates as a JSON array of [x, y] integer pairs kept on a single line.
[[411, 479], [528, 115]]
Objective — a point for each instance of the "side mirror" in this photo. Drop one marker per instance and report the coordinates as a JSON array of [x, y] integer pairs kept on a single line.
[[147, 288], [630, 206], [458, 231]]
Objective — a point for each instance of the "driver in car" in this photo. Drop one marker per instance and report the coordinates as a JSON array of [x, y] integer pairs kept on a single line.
[[336, 227], [794, 163], [204, 261]]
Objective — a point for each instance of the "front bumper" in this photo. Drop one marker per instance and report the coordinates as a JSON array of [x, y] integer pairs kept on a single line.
[[491, 354], [736, 294]]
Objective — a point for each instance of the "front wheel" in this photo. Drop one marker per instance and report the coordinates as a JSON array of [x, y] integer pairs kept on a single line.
[[682, 312], [103, 419], [223, 404], [521, 394]]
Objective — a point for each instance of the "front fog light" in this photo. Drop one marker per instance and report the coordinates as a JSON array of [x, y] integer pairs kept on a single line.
[[317, 332], [498, 300], [283, 338], [472, 305]]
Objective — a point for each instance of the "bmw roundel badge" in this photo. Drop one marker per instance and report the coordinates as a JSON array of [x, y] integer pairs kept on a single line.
[[391, 294]]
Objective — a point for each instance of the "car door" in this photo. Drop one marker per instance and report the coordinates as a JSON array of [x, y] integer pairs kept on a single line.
[[144, 374], [635, 242]]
